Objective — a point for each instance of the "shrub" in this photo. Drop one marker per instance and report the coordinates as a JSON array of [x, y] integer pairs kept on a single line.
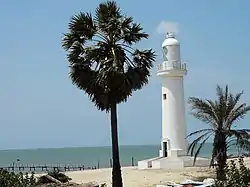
[[11, 179], [236, 176]]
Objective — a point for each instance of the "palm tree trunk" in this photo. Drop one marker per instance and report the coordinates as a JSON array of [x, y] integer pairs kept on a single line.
[[116, 170], [221, 147], [220, 172]]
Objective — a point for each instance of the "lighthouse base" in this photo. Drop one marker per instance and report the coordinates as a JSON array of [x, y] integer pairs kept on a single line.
[[173, 162], [172, 153]]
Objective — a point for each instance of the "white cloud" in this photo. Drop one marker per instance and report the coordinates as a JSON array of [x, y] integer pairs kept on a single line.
[[167, 26]]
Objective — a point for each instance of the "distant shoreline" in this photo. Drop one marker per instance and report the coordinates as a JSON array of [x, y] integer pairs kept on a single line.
[[105, 146], [88, 156]]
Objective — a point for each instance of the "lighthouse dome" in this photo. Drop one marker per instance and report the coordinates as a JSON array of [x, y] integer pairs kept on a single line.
[[171, 49], [170, 40]]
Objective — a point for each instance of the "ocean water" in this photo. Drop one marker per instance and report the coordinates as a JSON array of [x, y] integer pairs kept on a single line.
[[88, 156]]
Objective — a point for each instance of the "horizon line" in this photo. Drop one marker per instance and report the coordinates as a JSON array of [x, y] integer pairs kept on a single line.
[[85, 146]]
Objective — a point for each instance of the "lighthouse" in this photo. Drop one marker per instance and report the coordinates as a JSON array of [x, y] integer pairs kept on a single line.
[[172, 72], [173, 151]]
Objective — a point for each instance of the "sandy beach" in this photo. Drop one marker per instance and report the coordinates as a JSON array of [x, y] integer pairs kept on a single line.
[[132, 177]]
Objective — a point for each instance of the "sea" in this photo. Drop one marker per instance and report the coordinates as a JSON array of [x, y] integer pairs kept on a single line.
[[87, 156]]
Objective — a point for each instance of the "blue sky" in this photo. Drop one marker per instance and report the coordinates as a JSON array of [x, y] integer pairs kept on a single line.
[[39, 107]]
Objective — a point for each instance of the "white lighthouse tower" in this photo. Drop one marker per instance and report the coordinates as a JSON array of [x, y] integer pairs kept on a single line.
[[172, 72], [173, 153]]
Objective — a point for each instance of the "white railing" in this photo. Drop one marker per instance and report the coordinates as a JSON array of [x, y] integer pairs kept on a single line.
[[171, 66]]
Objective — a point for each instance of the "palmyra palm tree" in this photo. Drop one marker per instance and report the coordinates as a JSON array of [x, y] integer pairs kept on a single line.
[[221, 115], [104, 63]]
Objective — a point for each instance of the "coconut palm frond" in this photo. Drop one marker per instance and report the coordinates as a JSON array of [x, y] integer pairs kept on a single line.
[[237, 114], [192, 147], [200, 131], [200, 147], [203, 110], [243, 144]]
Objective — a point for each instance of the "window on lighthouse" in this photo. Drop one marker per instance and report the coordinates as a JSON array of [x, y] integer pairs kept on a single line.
[[165, 54], [164, 96]]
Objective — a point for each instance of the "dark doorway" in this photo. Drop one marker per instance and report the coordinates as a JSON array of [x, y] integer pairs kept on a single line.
[[165, 149]]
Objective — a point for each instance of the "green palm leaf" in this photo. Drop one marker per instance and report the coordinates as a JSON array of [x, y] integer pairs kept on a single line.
[[105, 64], [221, 115]]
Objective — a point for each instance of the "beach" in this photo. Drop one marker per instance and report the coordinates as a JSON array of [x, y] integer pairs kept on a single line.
[[132, 177], [90, 155]]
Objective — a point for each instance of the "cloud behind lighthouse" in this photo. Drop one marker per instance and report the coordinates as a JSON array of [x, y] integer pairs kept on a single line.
[[167, 26]]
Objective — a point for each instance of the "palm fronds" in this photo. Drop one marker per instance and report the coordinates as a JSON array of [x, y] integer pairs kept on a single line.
[[221, 115], [102, 59]]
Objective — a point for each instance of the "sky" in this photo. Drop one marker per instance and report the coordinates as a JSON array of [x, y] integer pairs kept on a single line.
[[39, 106]]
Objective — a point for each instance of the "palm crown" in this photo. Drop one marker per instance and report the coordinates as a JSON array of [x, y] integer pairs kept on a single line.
[[221, 115], [102, 60]]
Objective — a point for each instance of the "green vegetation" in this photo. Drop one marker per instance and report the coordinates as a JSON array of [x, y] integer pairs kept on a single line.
[[104, 63], [11, 179], [236, 176], [221, 115]]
